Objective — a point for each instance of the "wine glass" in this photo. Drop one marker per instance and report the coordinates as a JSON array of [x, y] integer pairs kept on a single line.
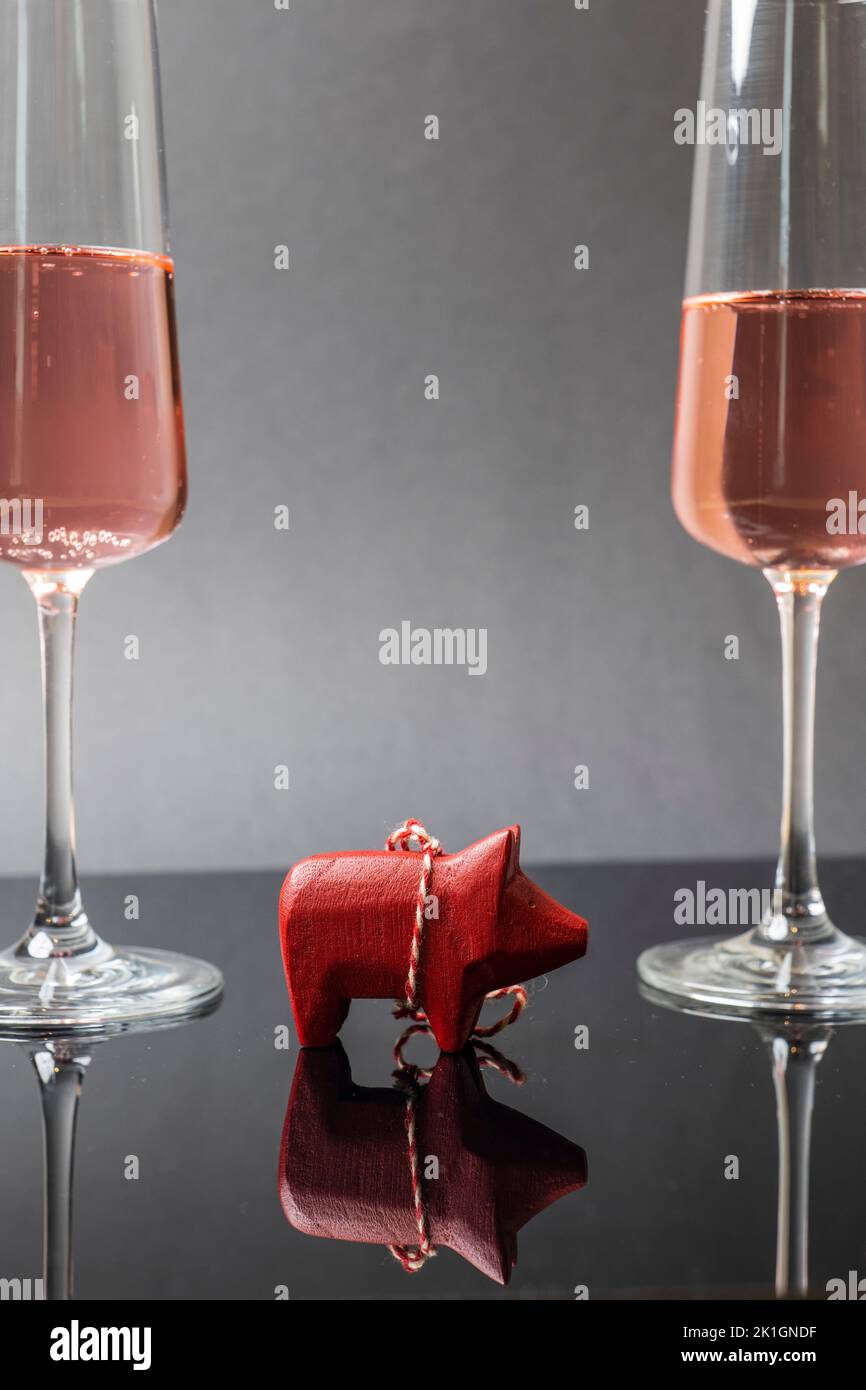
[[770, 441], [92, 463]]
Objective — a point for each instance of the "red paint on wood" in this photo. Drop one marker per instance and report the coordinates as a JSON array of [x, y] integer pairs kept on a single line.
[[346, 932]]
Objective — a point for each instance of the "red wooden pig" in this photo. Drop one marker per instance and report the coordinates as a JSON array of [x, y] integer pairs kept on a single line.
[[346, 926], [344, 1163]]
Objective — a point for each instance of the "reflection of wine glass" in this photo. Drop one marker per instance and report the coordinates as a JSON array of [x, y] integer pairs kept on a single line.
[[795, 1050], [61, 1064], [92, 467], [770, 441]]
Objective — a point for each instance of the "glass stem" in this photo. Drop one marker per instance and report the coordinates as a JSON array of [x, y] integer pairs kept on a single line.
[[798, 913], [60, 927], [795, 1059], [61, 1074]]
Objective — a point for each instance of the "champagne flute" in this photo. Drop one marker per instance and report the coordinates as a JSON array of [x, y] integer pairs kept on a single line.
[[92, 462], [770, 440]]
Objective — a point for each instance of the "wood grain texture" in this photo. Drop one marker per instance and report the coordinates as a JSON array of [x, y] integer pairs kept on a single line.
[[344, 1169], [346, 930]]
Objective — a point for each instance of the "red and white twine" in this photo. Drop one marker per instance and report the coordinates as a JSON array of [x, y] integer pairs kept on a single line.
[[402, 838], [414, 1257], [413, 836]]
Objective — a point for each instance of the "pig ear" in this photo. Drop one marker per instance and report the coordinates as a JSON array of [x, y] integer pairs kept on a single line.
[[505, 845], [513, 852], [497, 857]]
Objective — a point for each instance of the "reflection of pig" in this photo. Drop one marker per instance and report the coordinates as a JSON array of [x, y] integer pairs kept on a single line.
[[346, 925], [344, 1162]]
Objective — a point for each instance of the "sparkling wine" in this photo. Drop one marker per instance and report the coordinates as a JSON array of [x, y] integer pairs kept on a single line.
[[92, 461], [770, 440]]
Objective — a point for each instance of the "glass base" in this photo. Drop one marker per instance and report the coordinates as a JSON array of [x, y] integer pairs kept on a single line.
[[103, 990], [748, 976]]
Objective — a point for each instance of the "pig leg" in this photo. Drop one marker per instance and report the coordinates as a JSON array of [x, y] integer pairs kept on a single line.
[[318, 1016], [452, 1022]]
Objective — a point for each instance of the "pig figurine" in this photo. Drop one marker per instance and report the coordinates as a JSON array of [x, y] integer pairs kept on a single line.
[[346, 924]]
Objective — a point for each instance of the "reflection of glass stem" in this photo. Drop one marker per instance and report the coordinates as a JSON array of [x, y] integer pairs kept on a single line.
[[60, 1078], [795, 1056]]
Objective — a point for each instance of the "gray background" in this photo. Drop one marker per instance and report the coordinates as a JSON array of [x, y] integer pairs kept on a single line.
[[306, 388]]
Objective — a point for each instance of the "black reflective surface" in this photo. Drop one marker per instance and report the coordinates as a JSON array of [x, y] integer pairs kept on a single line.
[[659, 1104]]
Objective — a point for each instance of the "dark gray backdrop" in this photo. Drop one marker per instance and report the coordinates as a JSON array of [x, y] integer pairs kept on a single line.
[[306, 388]]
